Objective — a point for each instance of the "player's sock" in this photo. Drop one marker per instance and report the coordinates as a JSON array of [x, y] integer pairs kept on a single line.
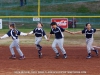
[[96, 51], [89, 56], [57, 55], [39, 52], [40, 47], [65, 56]]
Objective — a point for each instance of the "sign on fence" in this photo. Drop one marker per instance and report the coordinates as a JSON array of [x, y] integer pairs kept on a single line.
[[36, 19], [62, 22], [0, 23]]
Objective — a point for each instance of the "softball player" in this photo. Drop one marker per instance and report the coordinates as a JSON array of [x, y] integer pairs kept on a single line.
[[59, 39], [88, 31], [13, 32], [39, 32]]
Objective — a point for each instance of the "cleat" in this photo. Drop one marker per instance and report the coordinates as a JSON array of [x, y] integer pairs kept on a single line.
[[89, 56], [57, 55], [40, 55], [65, 56], [22, 57], [96, 51], [12, 57], [40, 47]]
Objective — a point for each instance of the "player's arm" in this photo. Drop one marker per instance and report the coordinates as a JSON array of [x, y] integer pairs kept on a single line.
[[23, 34], [5, 36], [97, 29], [51, 32], [44, 34], [69, 32], [30, 32], [49, 37], [63, 30], [78, 32]]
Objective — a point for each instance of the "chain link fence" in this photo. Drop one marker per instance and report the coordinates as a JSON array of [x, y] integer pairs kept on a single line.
[[48, 2], [28, 23]]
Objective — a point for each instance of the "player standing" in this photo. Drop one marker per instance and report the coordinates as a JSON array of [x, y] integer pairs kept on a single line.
[[39, 32], [88, 31], [13, 32], [59, 39]]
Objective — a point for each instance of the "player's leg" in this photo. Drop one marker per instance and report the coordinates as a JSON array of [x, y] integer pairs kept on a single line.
[[39, 48], [16, 43], [12, 51], [92, 48], [60, 44], [37, 41], [88, 48], [54, 48]]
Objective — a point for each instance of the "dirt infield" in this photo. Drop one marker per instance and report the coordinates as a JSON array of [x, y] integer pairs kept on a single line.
[[75, 64]]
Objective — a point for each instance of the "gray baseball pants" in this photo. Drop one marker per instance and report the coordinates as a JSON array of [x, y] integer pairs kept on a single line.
[[89, 43], [37, 41], [58, 42], [15, 44]]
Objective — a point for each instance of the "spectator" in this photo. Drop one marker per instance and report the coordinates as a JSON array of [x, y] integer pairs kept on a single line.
[[21, 3]]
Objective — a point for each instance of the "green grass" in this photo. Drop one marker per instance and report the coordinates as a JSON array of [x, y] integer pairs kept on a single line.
[[83, 7], [89, 8], [30, 8]]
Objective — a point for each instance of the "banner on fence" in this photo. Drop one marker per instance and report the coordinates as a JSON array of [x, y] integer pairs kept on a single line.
[[62, 22]]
